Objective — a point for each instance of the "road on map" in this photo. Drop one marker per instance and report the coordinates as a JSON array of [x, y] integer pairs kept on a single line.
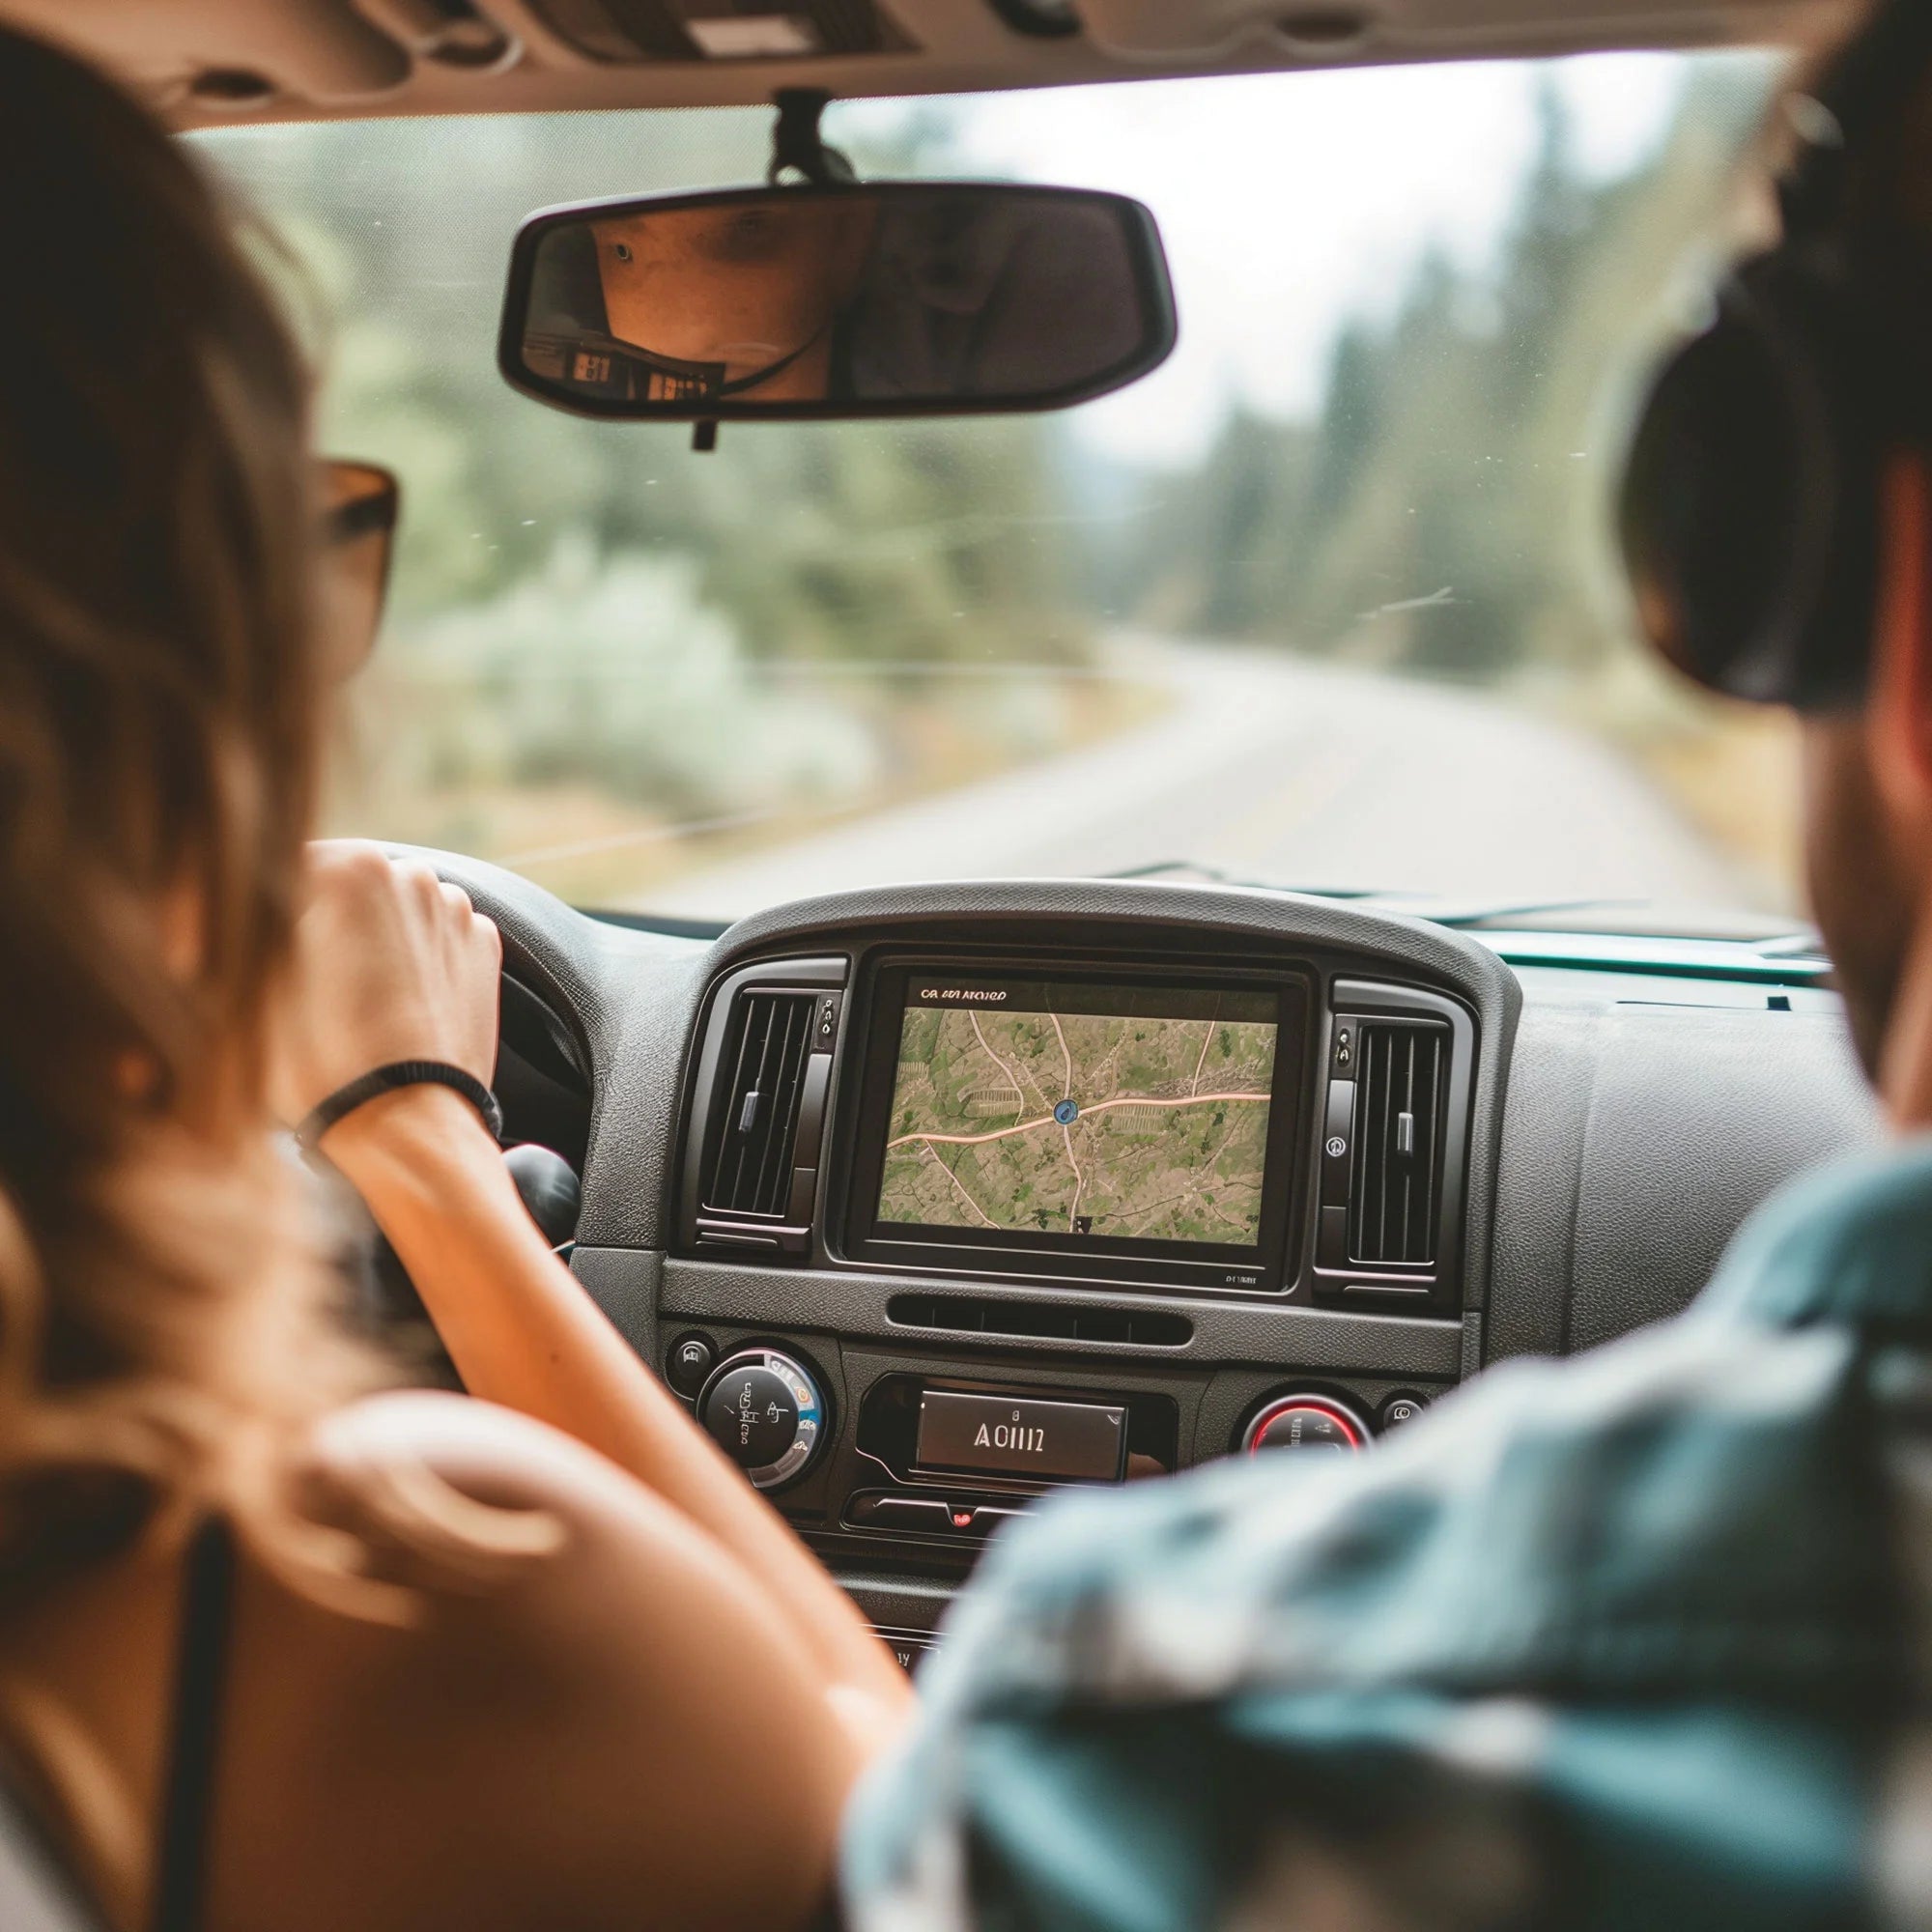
[[1128, 1129], [1279, 770], [1085, 1113]]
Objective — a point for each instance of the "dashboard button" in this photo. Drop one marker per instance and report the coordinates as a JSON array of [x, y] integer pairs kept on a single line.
[[689, 1362], [1304, 1422], [1400, 1408], [1346, 1046], [1338, 1130]]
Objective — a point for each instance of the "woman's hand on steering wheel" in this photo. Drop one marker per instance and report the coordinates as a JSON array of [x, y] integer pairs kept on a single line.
[[390, 964]]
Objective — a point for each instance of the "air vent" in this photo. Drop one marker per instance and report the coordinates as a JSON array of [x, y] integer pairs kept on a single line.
[[758, 1105], [976, 1315], [1400, 1094]]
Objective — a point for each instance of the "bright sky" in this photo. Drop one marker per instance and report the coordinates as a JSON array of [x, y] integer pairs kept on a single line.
[[1290, 204]]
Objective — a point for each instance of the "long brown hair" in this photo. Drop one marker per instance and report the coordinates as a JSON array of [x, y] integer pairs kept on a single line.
[[162, 1328]]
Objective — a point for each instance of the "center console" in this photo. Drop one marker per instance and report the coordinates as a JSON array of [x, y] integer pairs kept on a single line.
[[989, 1190]]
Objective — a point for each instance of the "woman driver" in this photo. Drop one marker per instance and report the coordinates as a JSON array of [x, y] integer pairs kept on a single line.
[[275, 1649]]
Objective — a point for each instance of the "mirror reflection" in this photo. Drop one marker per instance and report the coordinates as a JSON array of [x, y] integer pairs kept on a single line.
[[949, 297]]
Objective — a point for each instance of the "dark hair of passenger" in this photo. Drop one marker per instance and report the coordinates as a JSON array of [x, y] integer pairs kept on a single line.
[[161, 727]]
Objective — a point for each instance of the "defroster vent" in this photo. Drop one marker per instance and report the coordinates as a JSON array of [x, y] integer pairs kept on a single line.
[[752, 1168], [1400, 1092]]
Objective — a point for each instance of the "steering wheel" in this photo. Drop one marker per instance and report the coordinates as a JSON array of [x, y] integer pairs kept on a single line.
[[550, 1002], [556, 957]]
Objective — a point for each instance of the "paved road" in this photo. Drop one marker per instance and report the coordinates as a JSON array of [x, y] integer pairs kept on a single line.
[[1272, 769]]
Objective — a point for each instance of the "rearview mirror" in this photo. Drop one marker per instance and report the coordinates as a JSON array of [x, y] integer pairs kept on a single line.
[[896, 299]]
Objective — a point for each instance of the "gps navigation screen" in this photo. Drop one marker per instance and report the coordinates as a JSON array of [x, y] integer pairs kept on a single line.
[[1080, 1109]]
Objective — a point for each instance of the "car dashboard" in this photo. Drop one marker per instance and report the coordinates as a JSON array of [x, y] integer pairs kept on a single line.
[[932, 1199]]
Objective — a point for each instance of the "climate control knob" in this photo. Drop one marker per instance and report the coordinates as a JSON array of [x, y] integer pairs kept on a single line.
[[1304, 1422], [764, 1410]]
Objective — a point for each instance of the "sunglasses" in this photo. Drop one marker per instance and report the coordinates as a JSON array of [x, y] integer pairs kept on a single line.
[[360, 503]]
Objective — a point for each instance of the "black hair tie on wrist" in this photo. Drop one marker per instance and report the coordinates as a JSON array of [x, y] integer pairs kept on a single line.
[[387, 1080]]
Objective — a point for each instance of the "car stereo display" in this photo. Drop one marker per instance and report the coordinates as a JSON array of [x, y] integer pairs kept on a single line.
[[1078, 1111]]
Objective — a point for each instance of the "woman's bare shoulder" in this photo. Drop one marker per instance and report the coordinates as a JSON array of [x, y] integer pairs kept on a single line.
[[480, 1512], [551, 1710], [493, 1451]]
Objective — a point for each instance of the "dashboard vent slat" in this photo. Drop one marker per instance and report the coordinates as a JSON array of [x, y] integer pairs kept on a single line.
[[981, 1314], [1399, 1102], [751, 1171]]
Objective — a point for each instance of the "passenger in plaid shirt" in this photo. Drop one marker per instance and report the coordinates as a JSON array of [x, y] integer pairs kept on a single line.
[[1639, 1641]]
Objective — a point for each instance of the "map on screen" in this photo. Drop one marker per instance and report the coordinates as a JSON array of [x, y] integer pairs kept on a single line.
[[1081, 1110]]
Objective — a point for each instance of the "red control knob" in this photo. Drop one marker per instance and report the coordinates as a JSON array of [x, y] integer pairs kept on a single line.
[[1305, 1422]]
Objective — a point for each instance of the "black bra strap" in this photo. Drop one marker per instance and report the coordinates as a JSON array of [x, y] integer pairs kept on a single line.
[[201, 1660]]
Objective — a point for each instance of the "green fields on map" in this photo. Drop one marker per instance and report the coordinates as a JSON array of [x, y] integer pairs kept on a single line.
[[1166, 1139]]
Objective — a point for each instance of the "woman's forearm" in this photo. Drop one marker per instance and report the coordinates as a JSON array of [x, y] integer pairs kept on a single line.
[[523, 1332]]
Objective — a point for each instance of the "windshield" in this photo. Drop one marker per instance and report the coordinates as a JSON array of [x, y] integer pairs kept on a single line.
[[1328, 601]]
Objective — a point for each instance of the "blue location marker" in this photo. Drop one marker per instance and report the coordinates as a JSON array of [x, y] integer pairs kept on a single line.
[[1066, 1112]]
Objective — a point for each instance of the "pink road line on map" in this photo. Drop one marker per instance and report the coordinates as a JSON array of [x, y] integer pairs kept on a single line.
[[1079, 1178], [1047, 1120], [1065, 1052]]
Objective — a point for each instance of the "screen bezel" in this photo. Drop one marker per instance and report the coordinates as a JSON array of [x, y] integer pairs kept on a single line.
[[1268, 1265]]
